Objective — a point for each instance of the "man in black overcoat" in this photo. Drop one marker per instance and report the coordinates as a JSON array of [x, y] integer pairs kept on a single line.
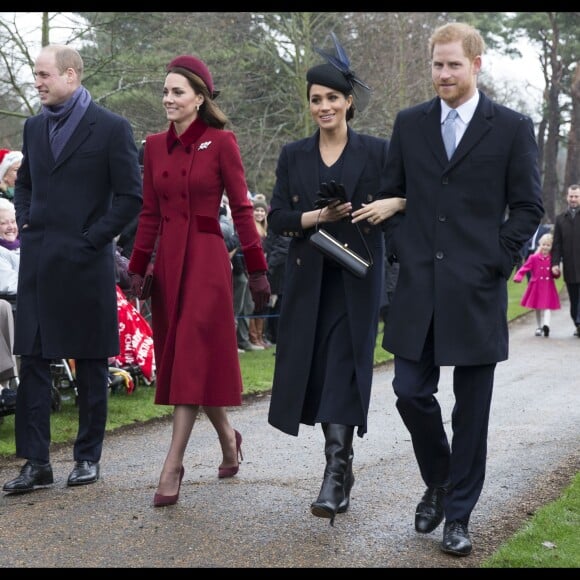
[[566, 251], [78, 186], [468, 213]]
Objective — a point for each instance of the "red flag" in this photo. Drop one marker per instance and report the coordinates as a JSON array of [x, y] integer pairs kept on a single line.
[[136, 338]]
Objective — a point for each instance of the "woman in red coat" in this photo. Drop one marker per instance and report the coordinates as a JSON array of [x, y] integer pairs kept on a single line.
[[186, 171]]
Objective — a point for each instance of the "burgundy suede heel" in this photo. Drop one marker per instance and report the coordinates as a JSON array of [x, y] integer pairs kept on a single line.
[[224, 472], [160, 500]]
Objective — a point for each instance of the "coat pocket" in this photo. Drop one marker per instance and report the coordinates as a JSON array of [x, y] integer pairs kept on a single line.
[[208, 225]]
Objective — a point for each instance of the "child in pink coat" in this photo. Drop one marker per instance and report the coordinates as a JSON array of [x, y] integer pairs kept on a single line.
[[541, 293]]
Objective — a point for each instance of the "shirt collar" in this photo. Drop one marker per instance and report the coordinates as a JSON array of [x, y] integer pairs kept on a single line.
[[465, 111]]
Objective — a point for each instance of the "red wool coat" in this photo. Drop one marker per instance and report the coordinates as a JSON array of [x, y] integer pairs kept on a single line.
[[192, 312]]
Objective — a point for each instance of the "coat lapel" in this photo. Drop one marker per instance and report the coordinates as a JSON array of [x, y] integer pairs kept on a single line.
[[431, 127], [307, 158], [354, 163], [479, 125]]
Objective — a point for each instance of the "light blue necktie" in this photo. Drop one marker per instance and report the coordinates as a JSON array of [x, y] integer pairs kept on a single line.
[[449, 132]]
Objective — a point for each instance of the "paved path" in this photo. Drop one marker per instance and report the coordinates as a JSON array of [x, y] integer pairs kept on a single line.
[[261, 518]]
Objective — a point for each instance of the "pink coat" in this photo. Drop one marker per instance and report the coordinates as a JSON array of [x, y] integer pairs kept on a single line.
[[541, 292]]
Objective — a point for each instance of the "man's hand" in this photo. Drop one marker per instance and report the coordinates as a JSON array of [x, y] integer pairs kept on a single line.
[[260, 290], [379, 210]]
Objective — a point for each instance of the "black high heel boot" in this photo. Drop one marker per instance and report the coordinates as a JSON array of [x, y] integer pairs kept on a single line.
[[335, 489], [348, 483]]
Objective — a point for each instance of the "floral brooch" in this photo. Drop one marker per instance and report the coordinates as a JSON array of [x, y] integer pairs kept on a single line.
[[204, 145]]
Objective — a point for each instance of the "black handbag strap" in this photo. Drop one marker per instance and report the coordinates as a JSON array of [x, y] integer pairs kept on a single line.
[[369, 255]]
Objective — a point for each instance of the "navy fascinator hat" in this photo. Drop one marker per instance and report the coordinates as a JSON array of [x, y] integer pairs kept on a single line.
[[337, 74]]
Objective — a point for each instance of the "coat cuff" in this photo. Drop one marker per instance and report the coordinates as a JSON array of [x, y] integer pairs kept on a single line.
[[255, 260], [139, 262]]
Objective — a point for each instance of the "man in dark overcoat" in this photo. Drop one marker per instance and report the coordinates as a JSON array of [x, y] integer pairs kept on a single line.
[[468, 213], [78, 186], [566, 251]]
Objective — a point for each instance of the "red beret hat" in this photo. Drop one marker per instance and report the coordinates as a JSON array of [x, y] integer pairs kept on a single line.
[[197, 67]]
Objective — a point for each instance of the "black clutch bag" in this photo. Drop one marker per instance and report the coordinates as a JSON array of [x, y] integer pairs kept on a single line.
[[340, 253]]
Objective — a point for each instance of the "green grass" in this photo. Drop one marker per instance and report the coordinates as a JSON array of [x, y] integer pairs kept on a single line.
[[550, 539], [124, 409]]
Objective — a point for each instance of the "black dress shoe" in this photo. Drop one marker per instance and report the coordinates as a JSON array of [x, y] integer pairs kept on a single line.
[[83, 473], [32, 476], [456, 539], [429, 513]]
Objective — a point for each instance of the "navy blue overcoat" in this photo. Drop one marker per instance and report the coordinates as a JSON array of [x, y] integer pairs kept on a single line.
[[465, 223], [297, 183], [68, 213]]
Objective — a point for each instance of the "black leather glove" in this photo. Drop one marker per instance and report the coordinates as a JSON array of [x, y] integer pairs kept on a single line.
[[335, 190], [330, 193], [260, 290]]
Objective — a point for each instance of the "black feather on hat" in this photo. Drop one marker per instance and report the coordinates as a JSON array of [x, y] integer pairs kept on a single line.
[[338, 75]]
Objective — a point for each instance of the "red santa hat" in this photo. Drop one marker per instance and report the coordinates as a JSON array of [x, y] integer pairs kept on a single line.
[[7, 160]]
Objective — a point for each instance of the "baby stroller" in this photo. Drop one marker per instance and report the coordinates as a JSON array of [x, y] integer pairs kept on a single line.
[[135, 363], [9, 363], [64, 386], [8, 399]]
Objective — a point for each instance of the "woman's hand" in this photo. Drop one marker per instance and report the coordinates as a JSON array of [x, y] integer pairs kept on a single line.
[[379, 210], [334, 212]]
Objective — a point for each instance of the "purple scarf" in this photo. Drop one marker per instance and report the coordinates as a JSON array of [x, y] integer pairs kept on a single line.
[[10, 245], [63, 119]]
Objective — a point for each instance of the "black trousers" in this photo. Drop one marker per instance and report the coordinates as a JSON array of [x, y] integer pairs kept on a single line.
[[33, 408], [462, 465], [574, 296]]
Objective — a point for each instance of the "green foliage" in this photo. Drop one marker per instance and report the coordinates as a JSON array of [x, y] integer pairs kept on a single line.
[[259, 62]]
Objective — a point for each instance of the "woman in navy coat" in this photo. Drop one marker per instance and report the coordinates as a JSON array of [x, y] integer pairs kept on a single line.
[[329, 318]]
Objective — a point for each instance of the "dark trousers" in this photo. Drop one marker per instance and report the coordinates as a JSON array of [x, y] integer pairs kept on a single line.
[[461, 466], [574, 296], [33, 408]]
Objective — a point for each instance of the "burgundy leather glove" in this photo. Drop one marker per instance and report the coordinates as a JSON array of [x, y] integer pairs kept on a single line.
[[147, 282], [135, 285], [260, 290]]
